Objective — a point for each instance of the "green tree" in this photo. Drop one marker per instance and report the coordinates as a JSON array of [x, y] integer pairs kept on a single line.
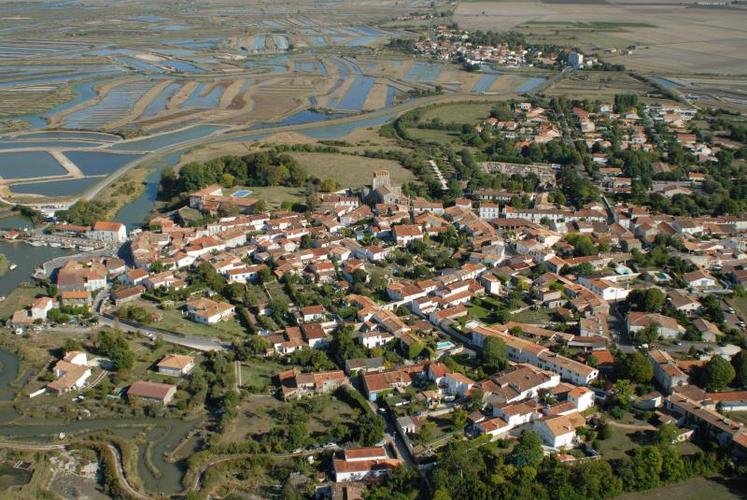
[[636, 367], [740, 368], [493, 354], [371, 429], [717, 374], [528, 451], [624, 392]]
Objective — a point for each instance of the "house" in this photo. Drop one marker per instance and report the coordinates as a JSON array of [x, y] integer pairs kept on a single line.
[[405, 233], [128, 294], [457, 384], [699, 279], [709, 332], [365, 365], [559, 431], [152, 392], [313, 313], [666, 372], [376, 384], [360, 464], [176, 365], [41, 306], [682, 301], [581, 397], [493, 427], [109, 232], [668, 327], [71, 373], [207, 311], [295, 385], [75, 298], [731, 401]]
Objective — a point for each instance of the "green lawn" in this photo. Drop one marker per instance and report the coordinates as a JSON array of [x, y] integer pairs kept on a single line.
[[18, 299], [694, 489], [435, 136], [461, 112], [539, 316], [173, 321], [256, 375], [616, 445], [481, 313]]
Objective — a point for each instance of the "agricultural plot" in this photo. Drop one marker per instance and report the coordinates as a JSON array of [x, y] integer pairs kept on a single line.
[[25, 164], [115, 105], [61, 188], [99, 162]]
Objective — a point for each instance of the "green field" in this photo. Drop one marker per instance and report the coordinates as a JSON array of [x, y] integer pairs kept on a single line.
[[435, 136], [461, 112], [349, 170], [693, 489]]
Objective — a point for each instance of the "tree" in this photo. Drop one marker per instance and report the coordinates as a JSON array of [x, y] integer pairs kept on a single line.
[[648, 335], [740, 368], [493, 354], [371, 429], [717, 374], [528, 451], [328, 185], [624, 393], [649, 300], [666, 434], [636, 367], [71, 345]]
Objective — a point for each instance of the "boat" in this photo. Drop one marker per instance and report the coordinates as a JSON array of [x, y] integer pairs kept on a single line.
[[2, 298], [12, 267]]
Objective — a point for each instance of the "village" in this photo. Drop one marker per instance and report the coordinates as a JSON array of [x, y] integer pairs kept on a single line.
[[491, 318]]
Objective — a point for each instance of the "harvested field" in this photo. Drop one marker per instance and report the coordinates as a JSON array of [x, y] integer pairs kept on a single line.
[[349, 171]]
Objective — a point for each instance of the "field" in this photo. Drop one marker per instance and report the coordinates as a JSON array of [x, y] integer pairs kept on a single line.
[[599, 85], [664, 37], [18, 299], [256, 416], [468, 112], [172, 320], [693, 489], [348, 170]]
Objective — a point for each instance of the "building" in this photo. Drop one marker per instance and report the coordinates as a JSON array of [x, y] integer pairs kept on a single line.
[[560, 431], [176, 365], [358, 464], [666, 372], [152, 392], [109, 232], [207, 311], [71, 373], [668, 327], [576, 60], [295, 385]]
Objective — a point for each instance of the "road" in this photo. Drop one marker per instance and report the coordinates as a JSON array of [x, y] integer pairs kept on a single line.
[[189, 341]]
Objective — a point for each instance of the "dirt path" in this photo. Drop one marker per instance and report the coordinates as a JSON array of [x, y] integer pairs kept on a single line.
[[67, 164], [632, 427]]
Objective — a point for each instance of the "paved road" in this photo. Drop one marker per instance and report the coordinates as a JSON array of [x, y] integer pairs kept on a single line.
[[192, 342]]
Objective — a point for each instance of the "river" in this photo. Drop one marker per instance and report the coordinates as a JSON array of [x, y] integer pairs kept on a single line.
[[27, 258]]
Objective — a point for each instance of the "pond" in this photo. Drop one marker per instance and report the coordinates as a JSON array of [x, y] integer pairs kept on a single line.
[[484, 83], [29, 164], [10, 476], [167, 139], [47, 144], [99, 162], [72, 187], [531, 84]]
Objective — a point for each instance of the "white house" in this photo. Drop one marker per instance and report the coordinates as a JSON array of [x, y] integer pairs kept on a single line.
[[110, 232], [457, 384], [582, 397], [176, 365], [559, 432]]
